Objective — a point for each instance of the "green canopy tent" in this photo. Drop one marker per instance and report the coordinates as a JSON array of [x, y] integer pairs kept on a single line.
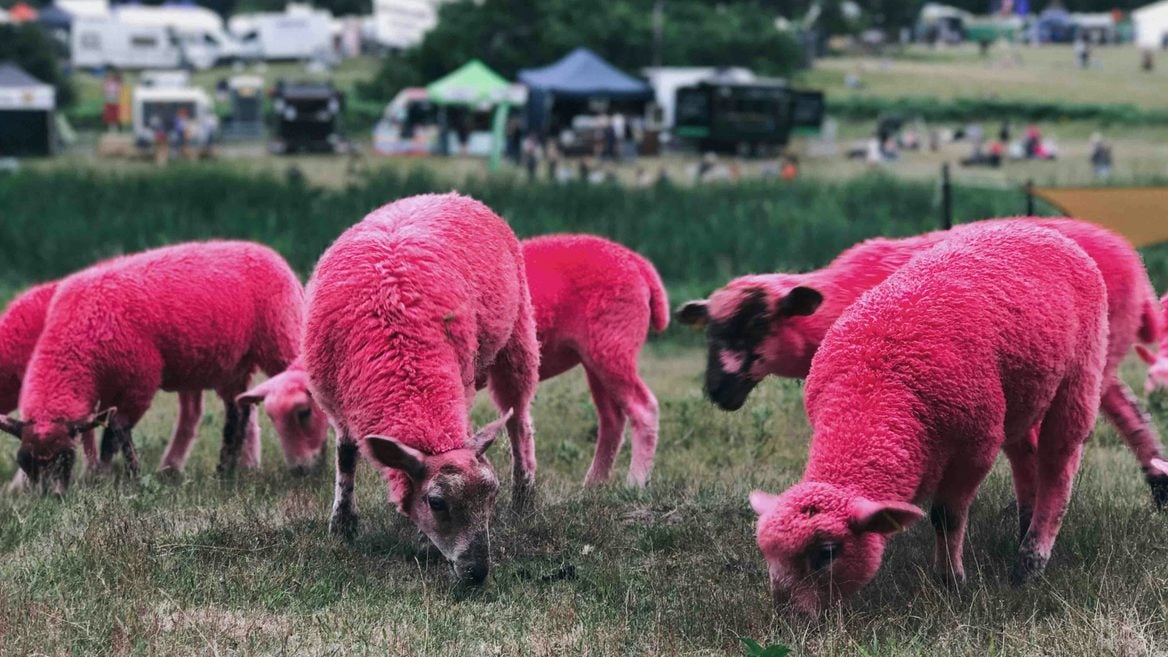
[[475, 85]]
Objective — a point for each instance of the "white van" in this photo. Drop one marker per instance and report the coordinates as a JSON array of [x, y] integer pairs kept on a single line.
[[101, 42], [299, 33]]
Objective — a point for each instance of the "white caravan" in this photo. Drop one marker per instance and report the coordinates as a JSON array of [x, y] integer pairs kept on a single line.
[[299, 33]]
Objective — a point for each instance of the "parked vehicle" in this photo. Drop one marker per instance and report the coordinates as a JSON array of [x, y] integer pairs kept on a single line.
[[299, 33], [306, 117], [744, 117]]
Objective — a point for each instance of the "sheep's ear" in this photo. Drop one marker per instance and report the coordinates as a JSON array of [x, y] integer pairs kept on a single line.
[[99, 419], [485, 437], [1145, 354], [882, 517], [1160, 466], [11, 425], [763, 502], [256, 394], [392, 454], [694, 313], [799, 301]]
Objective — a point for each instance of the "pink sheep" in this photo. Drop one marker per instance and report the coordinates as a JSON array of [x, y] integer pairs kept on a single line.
[[915, 390], [774, 323], [1157, 363], [182, 318], [300, 423], [594, 303], [407, 310], [20, 328]]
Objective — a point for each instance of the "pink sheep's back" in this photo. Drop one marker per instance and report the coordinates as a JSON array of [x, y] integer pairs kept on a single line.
[[20, 328], [406, 309]]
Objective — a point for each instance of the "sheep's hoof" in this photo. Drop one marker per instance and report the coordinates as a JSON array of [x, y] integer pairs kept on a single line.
[[1028, 566], [171, 475], [949, 579], [344, 524], [1159, 485]]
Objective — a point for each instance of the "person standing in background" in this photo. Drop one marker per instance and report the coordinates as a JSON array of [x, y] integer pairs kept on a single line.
[[111, 91]]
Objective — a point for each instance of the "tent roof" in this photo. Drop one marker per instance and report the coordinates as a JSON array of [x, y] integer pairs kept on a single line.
[[473, 83], [54, 16], [582, 74], [14, 77]]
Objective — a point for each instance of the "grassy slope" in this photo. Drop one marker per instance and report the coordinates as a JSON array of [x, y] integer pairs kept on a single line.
[[247, 567], [1046, 74]]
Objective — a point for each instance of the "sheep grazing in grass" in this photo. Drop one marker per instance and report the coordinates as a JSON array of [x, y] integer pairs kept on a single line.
[[595, 302], [1157, 362], [300, 423], [772, 324], [182, 318], [20, 328], [915, 390], [407, 311]]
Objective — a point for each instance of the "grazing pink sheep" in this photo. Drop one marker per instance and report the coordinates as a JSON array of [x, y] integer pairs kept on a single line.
[[181, 318], [300, 423], [915, 390], [1158, 363], [406, 311], [774, 323], [20, 328], [594, 302]]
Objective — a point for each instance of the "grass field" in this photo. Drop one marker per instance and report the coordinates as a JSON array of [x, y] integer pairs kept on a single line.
[[247, 566], [1045, 73]]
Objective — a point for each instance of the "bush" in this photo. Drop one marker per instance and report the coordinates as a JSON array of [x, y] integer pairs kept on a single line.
[[859, 107]]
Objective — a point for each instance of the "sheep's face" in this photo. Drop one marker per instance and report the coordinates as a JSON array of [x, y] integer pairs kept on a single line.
[[300, 423], [1157, 373], [450, 497], [823, 544], [750, 335], [47, 448]]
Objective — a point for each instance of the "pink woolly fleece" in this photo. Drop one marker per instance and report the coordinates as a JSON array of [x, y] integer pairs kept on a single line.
[[916, 388], [406, 310], [789, 343], [186, 318], [1158, 363], [20, 328], [595, 302]]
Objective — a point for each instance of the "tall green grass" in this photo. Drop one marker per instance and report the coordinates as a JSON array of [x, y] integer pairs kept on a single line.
[[52, 223]]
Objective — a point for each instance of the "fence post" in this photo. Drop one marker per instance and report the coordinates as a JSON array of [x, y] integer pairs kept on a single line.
[[1029, 197], [946, 198]]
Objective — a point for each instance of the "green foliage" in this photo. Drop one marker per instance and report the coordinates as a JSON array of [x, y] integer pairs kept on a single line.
[[513, 34], [754, 649], [31, 49], [987, 109], [394, 75]]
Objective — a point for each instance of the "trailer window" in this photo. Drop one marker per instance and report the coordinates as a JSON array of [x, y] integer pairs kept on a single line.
[[143, 41]]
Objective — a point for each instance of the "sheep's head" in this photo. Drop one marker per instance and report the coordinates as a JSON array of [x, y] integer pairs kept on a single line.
[[450, 497], [1157, 369], [822, 543], [47, 448], [750, 335], [300, 423]]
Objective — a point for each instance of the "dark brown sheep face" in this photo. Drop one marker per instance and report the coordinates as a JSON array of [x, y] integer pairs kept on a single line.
[[738, 323], [451, 497], [47, 449]]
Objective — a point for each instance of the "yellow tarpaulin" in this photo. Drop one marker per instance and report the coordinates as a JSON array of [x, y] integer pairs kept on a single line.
[[1138, 213]]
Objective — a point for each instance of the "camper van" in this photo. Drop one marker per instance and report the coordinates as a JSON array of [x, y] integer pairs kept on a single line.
[[299, 33], [100, 42]]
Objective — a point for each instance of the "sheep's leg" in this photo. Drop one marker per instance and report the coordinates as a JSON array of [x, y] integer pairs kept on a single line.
[[235, 427], [125, 440], [344, 519], [186, 428], [1060, 447], [512, 381], [19, 483], [89, 448], [611, 420], [950, 513], [1137, 430], [251, 440], [636, 401], [1024, 467]]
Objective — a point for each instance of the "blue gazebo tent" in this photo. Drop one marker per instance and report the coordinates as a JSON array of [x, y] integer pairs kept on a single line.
[[584, 74], [27, 109], [580, 76]]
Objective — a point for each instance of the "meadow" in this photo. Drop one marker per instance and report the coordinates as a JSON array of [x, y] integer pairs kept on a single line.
[[246, 566]]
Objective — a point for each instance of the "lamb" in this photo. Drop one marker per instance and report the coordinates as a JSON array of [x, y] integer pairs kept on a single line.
[[1158, 362], [594, 302], [20, 328], [774, 323], [917, 387], [407, 310], [182, 318], [300, 423]]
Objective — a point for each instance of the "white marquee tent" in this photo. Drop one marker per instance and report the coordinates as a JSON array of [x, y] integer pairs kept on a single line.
[[1151, 23]]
